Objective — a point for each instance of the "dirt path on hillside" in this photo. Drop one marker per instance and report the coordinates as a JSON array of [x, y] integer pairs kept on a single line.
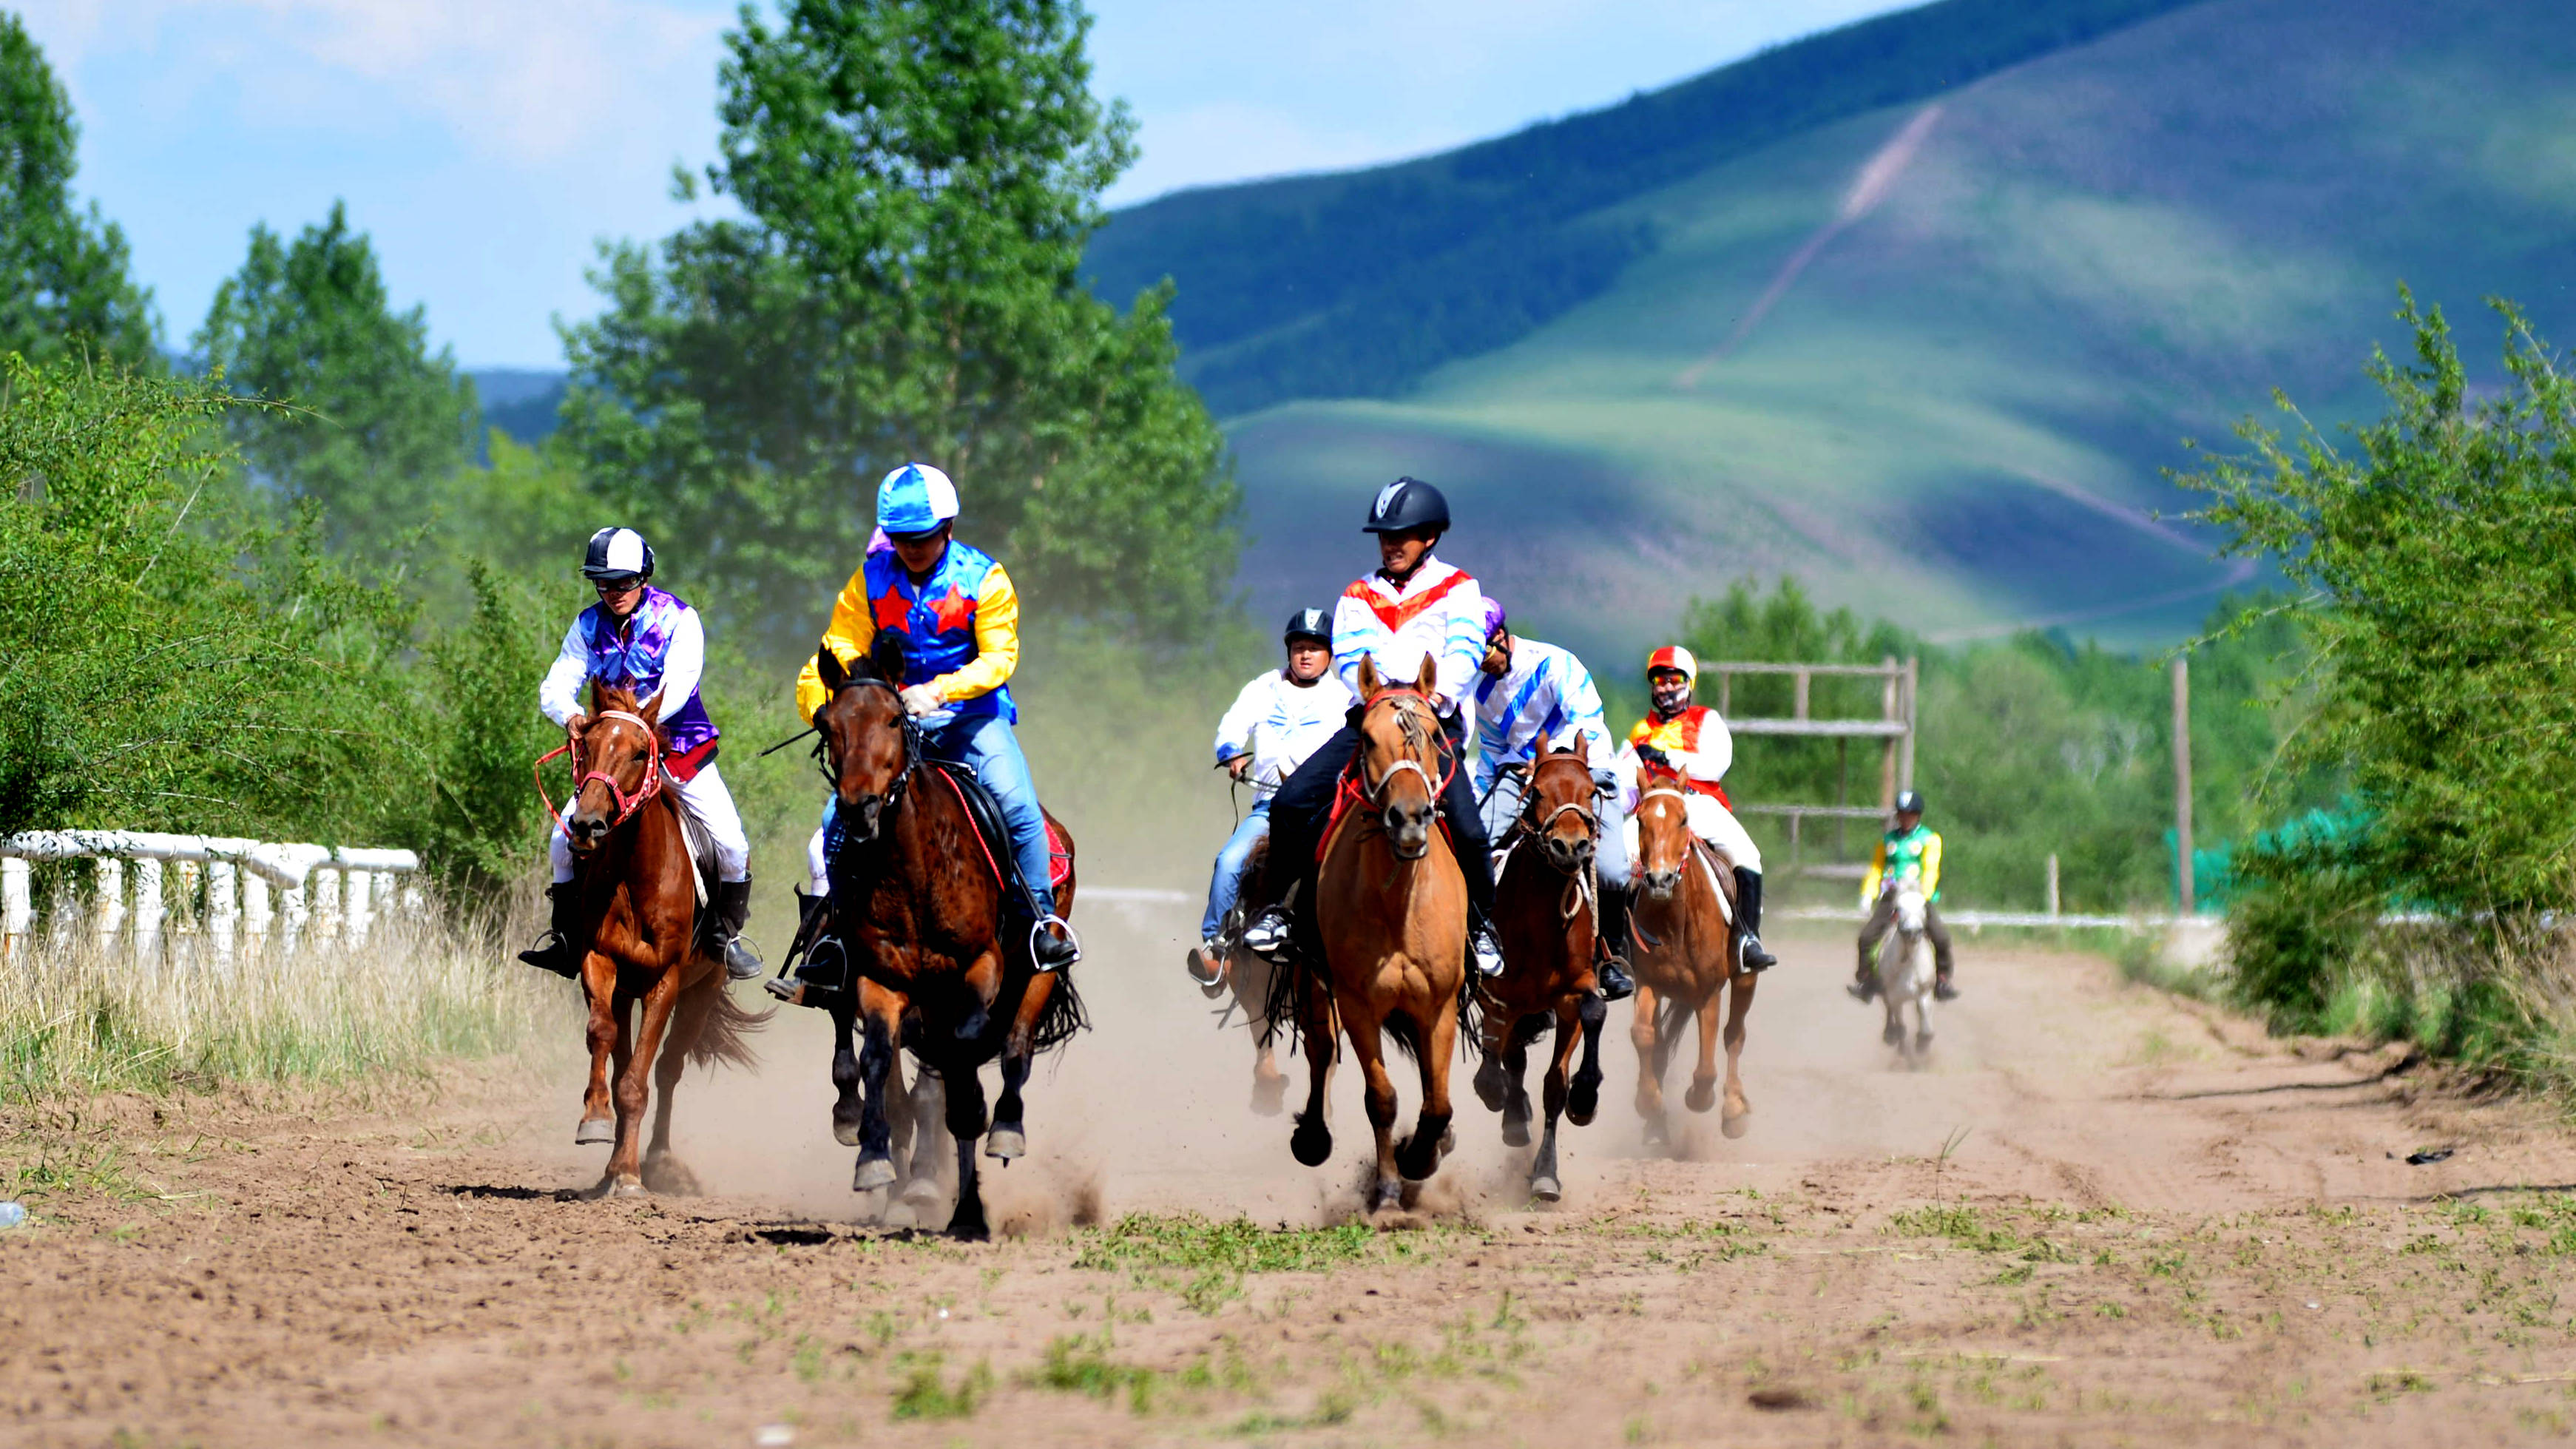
[[2153, 1225]]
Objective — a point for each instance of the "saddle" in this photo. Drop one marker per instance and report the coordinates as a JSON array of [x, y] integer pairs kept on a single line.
[[993, 834]]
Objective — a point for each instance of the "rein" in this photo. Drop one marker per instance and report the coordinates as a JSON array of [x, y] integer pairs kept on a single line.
[[627, 804], [912, 751], [1374, 793]]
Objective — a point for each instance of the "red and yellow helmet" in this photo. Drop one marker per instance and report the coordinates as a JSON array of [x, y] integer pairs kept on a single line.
[[1674, 657]]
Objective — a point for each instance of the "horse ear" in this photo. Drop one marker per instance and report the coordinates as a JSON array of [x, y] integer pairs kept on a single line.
[[827, 667], [1369, 681], [650, 709], [1427, 678], [885, 659], [1538, 747]]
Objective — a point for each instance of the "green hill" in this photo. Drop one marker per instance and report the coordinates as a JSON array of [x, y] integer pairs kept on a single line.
[[1929, 356]]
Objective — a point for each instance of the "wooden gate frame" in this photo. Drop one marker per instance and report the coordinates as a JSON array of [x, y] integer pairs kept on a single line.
[[1894, 726]]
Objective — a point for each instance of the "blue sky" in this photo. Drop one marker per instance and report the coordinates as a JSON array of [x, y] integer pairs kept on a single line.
[[488, 144]]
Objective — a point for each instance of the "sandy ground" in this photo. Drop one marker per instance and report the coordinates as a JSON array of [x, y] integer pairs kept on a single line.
[[2151, 1225]]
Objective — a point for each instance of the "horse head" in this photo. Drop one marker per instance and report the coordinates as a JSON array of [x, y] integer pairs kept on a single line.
[[1558, 809], [1663, 830], [1400, 756], [867, 741], [617, 762]]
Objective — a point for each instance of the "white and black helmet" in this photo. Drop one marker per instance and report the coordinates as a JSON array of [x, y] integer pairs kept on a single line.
[[617, 555]]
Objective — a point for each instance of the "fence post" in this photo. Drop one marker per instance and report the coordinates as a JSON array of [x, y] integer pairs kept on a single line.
[[2182, 778], [1905, 765], [326, 902], [111, 899], [291, 903], [2052, 883], [147, 910], [255, 909], [17, 913], [360, 886], [1887, 756], [223, 910]]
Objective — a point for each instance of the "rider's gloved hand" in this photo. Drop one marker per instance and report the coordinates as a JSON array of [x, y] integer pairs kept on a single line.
[[1605, 782], [1654, 755], [921, 699]]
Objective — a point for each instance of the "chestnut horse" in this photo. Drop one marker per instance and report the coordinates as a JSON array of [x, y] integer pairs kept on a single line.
[[1391, 910], [917, 904], [1546, 918], [1684, 924], [639, 914]]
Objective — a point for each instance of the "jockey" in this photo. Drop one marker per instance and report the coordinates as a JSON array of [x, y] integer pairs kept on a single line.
[[1413, 606], [1907, 848], [1276, 722], [1531, 689], [644, 640], [1692, 740], [951, 612]]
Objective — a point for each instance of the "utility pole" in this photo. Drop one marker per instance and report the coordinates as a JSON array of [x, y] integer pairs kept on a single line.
[[2182, 776]]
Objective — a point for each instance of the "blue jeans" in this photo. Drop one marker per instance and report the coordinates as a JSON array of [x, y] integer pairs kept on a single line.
[[1226, 886], [987, 745]]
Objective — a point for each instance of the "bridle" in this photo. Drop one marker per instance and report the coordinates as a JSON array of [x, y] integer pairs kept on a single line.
[[1375, 791], [627, 804], [1533, 825], [912, 748]]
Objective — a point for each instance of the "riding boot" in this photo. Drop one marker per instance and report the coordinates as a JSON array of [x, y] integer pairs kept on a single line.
[[812, 971], [1748, 908], [1942, 990], [554, 950], [1611, 973], [1052, 944], [731, 905], [1864, 983]]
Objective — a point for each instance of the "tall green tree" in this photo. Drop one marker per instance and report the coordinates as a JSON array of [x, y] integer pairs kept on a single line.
[[377, 419], [2438, 555], [919, 178], [64, 285]]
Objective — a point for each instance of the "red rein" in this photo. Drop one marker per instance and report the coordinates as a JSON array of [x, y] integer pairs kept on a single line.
[[627, 804]]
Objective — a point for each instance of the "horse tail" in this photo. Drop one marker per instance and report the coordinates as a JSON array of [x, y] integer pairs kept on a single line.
[[721, 1042], [1406, 1033]]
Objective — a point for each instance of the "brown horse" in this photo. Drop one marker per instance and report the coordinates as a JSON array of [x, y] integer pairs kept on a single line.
[[1392, 914], [1685, 927], [917, 903], [639, 913], [1546, 917]]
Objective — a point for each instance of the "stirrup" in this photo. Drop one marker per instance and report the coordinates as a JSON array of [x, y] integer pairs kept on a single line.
[[1050, 951], [1209, 954], [553, 953], [1863, 992], [1486, 952], [1753, 956], [1942, 990]]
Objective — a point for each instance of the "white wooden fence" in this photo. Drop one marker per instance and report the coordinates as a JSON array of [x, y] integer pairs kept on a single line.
[[223, 887]]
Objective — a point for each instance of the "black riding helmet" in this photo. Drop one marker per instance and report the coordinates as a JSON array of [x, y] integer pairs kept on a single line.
[[1407, 503], [617, 555], [1312, 624], [1909, 802]]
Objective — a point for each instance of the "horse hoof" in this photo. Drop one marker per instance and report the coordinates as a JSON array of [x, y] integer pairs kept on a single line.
[[1388, 1193], [1311, 1144], [846, 1133], [1657, 1134], [1516, 1132], [1269, 1097], [1546, 1189], [922, 1195], [1006, 1143], [1736, 1124], [1700, 1097], [626, 1187], [873, 1173], [872, 1208], [1581, 1103], [1894, 1036], [1489, 1085], [670, 1177], [594, 1132]]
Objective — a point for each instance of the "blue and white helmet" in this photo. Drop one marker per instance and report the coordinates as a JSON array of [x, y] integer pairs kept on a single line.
[[915, 498], [617, 555]]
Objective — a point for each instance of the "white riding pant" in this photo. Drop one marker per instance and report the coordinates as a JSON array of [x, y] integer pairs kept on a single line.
[[706, 801], [1715, 824], [818, 871]]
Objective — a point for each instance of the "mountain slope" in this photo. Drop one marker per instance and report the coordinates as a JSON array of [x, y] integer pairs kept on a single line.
[[1932, 357]]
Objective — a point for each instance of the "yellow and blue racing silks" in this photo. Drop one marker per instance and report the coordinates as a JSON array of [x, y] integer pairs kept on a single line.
[[959, 631]]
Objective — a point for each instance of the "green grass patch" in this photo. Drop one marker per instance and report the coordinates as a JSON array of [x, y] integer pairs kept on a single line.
[[1240, 1246], [927, 1394]]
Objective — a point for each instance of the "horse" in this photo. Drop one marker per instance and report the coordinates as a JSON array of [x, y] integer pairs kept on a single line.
[[1905, 974], [917, 903], [1547, 919], [1391, 911], [1248, 982], [1686, 931], [638, 910]]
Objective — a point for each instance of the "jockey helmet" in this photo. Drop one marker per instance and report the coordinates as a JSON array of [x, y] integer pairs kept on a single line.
[[1675, 658], [915, 498], [1405, 504], [1312, 624], [617, 555], [1495, 622], [1909, 802]]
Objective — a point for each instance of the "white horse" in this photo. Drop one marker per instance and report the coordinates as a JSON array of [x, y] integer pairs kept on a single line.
[[1905, 973]]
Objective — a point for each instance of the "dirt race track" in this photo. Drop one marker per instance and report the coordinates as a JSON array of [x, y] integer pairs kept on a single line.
[[2154, 1226]]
